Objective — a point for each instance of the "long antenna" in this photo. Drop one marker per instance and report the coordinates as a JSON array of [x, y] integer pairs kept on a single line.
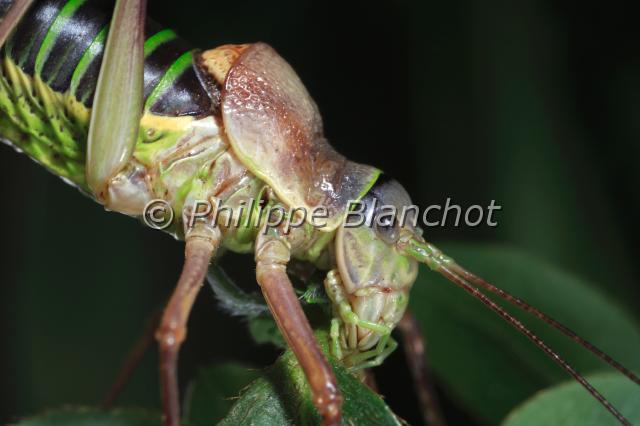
[[462, 283], [439, 262], [546, 318]]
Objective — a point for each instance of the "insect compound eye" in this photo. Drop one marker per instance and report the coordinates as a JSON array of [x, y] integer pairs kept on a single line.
[[386, 226]]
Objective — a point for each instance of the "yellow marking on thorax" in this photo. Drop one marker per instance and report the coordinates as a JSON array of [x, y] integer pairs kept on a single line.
[[218, 61], [159, 122]]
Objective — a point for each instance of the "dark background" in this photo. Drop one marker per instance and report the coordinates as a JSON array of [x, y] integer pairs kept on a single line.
[[532, 103]]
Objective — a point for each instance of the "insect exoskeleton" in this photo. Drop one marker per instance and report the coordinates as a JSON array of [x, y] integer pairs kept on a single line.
[[131, 121], [275, 129], [264, 142]]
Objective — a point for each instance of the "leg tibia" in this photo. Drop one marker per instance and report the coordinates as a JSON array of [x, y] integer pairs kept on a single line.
[[172, 330], [272, 254]]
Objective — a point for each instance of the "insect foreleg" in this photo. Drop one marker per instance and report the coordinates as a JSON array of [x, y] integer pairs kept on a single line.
[[117, 107], [373, 358], [11, 19], [201, 242], [272, 255], [336, 292], [334, 334]]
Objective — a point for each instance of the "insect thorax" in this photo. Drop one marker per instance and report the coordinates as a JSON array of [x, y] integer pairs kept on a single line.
[[177, 159]]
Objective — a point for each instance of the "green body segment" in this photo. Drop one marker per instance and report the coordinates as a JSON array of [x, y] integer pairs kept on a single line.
[[176, 69], [49, 76], [94, 49], [63, 18], [50, 127], [48, 73], [157, 40]]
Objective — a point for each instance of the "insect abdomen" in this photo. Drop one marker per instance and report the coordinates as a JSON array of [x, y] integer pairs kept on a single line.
[[50, 67], [61, 41]]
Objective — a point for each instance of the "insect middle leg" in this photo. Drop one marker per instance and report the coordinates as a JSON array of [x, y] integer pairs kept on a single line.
[[272, 255]]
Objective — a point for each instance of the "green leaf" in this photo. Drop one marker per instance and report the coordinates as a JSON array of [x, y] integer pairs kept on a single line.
[[254, 309], [259, 405], [84, 416], [264, 329], [488, 366], [282, 397], [212, 393], [232, 298], [569, 404]]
